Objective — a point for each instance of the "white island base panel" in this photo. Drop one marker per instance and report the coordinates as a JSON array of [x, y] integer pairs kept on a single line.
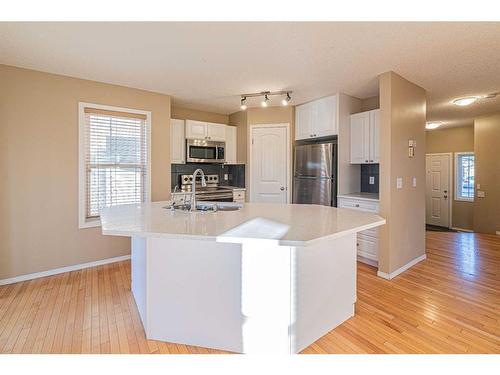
[[248, 297]]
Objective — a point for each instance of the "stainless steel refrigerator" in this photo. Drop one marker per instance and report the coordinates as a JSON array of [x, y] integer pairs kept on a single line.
[[315, 173]]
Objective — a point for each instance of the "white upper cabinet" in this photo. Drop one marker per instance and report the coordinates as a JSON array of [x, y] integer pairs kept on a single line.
[[216, 132], [230, 151], [196, 129], [375, 136], [365, 137], [325, 120], [205, 130], [316, 119], [177, 142], [303, 118], [360, 134]]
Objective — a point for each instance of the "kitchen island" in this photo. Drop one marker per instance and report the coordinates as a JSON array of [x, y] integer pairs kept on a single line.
[[264, 278]]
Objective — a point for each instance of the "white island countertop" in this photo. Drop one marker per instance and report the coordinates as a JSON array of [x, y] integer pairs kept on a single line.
[[284, 224]]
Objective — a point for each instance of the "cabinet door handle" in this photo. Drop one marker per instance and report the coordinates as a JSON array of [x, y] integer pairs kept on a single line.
[[366, 161], [357, 205]]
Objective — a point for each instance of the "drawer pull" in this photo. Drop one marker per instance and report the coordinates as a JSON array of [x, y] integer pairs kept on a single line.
[[357, 205]]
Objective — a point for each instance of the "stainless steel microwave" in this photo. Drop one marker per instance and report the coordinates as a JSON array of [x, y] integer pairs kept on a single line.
[[202, 151]]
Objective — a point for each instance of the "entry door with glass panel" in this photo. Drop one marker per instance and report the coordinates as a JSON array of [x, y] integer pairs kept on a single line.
[[437, 204]]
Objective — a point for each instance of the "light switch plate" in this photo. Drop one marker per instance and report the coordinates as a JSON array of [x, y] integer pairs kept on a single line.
[[478, 187], [480, 194], [414, 182], [372, 180], [399, 182]]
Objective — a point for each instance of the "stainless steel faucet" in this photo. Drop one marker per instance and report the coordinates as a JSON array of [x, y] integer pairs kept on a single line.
[[193, 187]]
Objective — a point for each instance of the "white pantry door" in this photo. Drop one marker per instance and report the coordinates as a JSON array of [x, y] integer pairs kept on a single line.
[[269, 164], [437, 195]]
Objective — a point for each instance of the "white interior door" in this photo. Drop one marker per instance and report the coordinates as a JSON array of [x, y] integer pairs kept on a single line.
[[437, 208], [269, 164]]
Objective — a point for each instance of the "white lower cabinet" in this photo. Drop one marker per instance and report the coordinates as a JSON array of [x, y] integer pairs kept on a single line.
[[239, 196], [368, 240]]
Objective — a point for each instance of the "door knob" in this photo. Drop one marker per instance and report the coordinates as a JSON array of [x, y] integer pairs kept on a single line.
[[282, 188], [445, 191], [445, 197]]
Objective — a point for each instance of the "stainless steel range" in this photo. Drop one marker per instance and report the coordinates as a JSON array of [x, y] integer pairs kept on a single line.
[[211, 192]]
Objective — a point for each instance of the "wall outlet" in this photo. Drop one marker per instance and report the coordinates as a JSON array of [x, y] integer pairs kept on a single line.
[[371, 180], [414, 182], [399, 182], [480, 194], [226, 177]]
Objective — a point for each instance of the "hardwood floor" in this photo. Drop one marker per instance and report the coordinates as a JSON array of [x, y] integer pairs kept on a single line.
[[449, 303]]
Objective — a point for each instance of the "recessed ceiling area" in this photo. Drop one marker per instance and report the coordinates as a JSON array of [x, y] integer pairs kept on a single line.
[[207, 66]]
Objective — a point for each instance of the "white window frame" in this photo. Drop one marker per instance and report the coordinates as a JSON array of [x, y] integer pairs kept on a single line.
[[456, 177], [83, 222]]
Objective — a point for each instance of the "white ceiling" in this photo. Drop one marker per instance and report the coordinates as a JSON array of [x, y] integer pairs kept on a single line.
[[207, 66]]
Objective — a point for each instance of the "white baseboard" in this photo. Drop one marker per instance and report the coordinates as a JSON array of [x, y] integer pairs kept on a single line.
[[392, 275], [462, 229], [370, 262], [56, 271]]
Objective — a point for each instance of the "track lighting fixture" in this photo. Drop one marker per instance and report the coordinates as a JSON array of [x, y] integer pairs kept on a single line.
[[266, 101]]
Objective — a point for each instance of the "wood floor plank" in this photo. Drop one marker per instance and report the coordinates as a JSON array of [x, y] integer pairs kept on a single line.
[[449, 303]]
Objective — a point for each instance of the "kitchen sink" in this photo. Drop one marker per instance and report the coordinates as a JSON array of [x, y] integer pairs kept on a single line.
[[221, 206], [210, 206]]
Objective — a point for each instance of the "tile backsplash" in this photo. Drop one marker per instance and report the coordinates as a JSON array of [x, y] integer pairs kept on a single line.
[[235, 172], [367, 171]]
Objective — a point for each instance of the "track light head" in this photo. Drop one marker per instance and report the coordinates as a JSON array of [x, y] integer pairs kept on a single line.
[[265, 102], [243, 105], [284, 101]]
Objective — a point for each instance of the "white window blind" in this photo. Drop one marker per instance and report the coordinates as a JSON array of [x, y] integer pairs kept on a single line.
[[115, 159], [464, 174]]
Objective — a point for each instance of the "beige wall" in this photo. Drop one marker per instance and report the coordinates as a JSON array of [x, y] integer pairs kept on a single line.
[[454, 140], [252, 116], [368, 104], [39, 168], [403, 113], [487, 173], [192, 114]]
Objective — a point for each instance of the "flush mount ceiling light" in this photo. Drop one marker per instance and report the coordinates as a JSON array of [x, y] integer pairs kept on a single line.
[[433, 125], [468, 100], [266, 101]]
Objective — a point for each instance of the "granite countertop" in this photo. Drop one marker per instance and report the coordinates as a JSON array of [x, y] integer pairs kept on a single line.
[[287, 224], [363, 196]]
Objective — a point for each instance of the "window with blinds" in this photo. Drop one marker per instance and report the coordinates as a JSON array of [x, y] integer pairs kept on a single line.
[[115, 158]]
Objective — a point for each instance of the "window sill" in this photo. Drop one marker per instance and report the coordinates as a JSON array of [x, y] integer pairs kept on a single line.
[[471, 200], [89, 224]]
